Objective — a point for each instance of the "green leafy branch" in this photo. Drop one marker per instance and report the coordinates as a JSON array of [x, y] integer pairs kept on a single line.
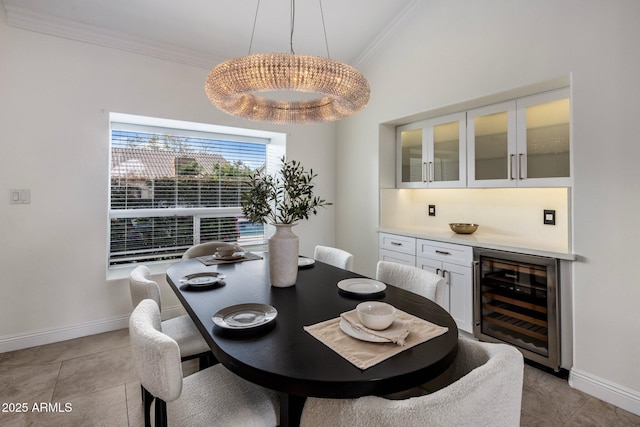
[[282, 199]]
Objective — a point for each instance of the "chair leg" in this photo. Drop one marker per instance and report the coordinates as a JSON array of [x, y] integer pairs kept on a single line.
[[147, 399], [161, 413]]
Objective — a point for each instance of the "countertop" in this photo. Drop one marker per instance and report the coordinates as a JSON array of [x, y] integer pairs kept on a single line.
[[482, 239]]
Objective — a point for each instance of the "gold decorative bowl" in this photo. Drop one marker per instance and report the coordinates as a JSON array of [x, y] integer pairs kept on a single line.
[[462, 228]]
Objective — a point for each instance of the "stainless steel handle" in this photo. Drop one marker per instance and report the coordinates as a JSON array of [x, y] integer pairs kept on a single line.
[[511, 276], [424, 172], [443, 252], [432, 173], [477, 298], [511, 159], [520, 175]]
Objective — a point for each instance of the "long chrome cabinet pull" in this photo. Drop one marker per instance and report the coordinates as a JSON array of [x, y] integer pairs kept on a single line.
[[443, 252], [432, 173], [424, 172], [476, 294], [511, 159], [520, 174]]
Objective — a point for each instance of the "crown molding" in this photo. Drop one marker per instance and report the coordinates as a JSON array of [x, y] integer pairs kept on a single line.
[[387, 33], [20, 17]]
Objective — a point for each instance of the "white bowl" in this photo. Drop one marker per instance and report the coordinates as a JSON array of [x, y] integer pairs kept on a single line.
[[226, 250], [375, 314]]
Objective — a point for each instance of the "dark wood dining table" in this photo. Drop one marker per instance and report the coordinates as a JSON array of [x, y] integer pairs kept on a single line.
[[284, 357]]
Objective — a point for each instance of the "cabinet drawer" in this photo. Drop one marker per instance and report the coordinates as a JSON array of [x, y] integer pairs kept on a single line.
[[397, 257], [446, 252], [402, 244]]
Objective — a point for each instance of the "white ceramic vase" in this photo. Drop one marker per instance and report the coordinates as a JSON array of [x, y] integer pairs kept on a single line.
[[283, 256]]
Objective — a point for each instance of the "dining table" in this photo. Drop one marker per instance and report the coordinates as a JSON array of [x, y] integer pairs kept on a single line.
[[281, 354]]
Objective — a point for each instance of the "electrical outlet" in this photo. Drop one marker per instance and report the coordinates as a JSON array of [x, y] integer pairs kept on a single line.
[[550, 217], [432, 210]]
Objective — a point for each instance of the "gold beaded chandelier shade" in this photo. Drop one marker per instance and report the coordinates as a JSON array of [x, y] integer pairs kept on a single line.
[[238, 86]]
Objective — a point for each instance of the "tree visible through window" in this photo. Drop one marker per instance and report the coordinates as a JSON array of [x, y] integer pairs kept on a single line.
[[172, 189]]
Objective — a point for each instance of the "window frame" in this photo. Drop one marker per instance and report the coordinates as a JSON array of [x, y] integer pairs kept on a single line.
[[275, 149]]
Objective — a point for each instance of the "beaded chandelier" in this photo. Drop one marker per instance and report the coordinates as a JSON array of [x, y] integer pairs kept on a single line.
[[235, 87]]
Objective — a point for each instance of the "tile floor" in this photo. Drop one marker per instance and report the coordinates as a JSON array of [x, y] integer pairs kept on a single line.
[[93, 381]]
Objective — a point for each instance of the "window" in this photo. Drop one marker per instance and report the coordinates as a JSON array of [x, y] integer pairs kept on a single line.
[[175, 184]]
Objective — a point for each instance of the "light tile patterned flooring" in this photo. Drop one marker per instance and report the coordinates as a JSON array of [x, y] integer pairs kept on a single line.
[[95, 375]]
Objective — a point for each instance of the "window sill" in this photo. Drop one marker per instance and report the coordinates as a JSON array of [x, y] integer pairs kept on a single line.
[[122, 272]]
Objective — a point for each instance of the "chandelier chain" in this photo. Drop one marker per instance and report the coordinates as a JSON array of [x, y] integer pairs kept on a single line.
[[324, 28], [293, 20], [255, 19]]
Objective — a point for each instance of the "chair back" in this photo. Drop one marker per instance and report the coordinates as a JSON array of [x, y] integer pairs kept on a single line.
[[413, 279], [156, 356], [208, 248], [334, 256], [487, 392], [142, 287]]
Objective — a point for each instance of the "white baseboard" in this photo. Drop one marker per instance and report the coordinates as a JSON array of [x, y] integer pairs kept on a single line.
[[33, 339], [617, 395]]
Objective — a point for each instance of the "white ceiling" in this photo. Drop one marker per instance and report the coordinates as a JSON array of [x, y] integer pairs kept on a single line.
[[205, 32]]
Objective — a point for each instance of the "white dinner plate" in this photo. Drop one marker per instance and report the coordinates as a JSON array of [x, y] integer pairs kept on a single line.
[[202, 279], [245, 316], [361, 286], [359, 334], [305, 262]]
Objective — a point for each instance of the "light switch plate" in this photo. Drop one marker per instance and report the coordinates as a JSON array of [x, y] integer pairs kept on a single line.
[[550, 217], [432, 210], [20, 197]]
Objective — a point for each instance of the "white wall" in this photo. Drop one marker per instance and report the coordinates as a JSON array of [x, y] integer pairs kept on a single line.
[[451, 51], [55, 99]]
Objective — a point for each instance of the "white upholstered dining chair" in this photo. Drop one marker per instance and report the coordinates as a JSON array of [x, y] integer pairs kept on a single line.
[[334, 256], [207, 248], [212, 397], [413, 279], [180, 328], [483, 387]]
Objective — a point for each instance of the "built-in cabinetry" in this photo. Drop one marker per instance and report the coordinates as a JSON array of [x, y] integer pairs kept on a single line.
[[454, 263], [451, 261], [523, 142], [432, 153]]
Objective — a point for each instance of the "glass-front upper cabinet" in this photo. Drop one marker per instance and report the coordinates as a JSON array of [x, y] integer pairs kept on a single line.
[[521, 143], [431, 153]]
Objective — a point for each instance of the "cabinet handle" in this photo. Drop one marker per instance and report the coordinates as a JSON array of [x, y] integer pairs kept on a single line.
[[432, 173], [511, 159], [396, 244], [445, 273], [520, 168], [439, 272], [443, 252], [424, 172], [476, 295]]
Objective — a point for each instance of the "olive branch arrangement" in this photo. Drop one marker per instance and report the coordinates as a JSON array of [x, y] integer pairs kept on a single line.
[[281, 199]]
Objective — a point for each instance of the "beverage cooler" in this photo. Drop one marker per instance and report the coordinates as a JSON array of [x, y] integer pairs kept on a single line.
[[516, 300]]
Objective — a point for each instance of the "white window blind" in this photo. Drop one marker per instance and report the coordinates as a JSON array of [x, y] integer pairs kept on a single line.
[[172, 187]]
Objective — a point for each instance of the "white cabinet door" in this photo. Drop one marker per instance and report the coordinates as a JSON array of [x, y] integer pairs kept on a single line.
[[460, 281], [491, 143], [544, 147], [435, 266]]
